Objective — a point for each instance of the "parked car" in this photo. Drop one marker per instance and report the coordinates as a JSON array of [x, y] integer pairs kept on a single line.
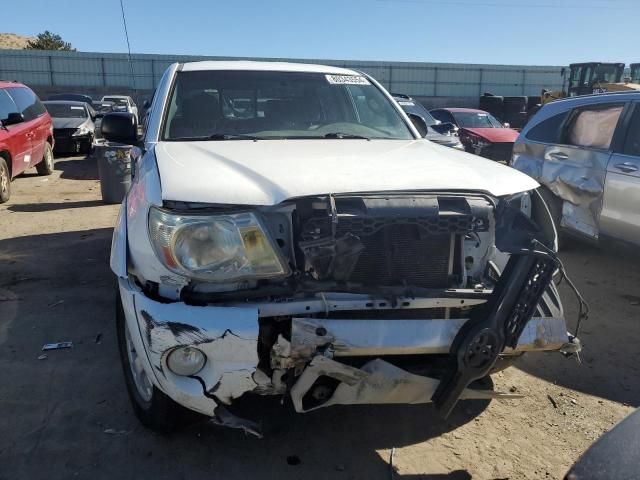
[[73, 97], [585, 151], [101, 108], [317, 247], [26, 135], [480, 132], [123, 103], [73, 126], [437, 132]]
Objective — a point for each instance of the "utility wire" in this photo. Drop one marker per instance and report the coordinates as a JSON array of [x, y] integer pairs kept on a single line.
[[126, 34], [511, 4]]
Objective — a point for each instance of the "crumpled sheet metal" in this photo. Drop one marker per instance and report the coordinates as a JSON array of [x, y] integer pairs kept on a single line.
[[228, 336], [578, 180], [377, 382]]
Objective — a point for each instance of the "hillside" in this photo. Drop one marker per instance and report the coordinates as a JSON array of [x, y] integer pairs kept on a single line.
[[13, 41]]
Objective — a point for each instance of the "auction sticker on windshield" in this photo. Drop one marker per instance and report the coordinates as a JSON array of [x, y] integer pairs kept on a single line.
[[347, 80]]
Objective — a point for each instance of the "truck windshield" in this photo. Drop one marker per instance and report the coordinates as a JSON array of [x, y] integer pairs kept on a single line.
[[229, 105], [116, 100], [608, 74]]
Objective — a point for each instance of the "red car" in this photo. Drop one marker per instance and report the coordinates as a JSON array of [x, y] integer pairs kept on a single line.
[[26, 135], [480, 132]]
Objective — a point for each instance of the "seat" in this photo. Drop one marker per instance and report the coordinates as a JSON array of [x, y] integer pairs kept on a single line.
[[198, 116]]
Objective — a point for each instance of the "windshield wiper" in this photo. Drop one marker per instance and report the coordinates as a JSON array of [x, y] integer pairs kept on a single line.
[[344, 135], [232, 136]]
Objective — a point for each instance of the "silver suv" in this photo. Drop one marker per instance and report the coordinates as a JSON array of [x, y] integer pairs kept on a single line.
[[585, 151]]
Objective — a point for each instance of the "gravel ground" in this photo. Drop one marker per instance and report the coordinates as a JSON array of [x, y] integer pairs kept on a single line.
[[67, 416]]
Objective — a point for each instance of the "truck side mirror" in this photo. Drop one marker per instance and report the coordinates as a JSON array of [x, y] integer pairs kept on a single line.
[[419, 123], [120, 127]]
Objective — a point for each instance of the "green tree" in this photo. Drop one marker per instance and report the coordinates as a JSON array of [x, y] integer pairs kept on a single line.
[[49, 41]]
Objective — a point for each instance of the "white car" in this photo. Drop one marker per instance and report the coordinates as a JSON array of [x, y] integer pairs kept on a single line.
[[123, 103], [288, 232]]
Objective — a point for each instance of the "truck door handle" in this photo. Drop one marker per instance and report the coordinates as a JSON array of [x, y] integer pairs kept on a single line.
[[559, 155], [626, 167]]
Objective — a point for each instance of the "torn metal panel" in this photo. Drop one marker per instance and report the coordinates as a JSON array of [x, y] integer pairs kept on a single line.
[[227, 336], [377, 382], [405, 337], [579, 219], [575, 175]]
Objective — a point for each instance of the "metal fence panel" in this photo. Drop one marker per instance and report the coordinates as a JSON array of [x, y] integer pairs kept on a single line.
[[86, 69]]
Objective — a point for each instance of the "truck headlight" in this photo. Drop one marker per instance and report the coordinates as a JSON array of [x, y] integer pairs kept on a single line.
[[217, 248]]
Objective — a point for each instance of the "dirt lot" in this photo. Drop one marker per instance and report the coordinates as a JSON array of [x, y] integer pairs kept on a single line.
[[67, 416]]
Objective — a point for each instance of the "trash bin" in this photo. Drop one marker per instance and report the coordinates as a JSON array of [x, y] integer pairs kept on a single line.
[[114, 169]]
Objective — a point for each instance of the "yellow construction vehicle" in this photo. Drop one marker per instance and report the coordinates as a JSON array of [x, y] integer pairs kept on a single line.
[[635, 73], [593, 77]]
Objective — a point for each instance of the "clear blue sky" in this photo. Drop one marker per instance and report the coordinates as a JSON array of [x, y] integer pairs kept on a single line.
[[533, 32]]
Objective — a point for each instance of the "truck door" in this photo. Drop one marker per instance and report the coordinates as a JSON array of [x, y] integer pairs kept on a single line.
[[578, 163], [620, 216]]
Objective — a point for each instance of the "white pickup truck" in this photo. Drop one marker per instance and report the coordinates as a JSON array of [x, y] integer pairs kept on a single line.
[[289, 232]]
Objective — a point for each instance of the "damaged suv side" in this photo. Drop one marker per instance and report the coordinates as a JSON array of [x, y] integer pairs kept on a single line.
[[288, 232]]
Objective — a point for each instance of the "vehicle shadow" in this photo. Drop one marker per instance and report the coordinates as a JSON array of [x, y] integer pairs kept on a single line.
[[46, 207], [609, 280], [58, 287], [77, 168]]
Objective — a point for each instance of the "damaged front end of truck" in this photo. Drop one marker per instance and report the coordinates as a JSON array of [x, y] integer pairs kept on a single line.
[[393, 297]]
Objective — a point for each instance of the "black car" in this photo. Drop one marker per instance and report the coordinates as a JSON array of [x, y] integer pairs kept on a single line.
[[73, 125], [436, 131]]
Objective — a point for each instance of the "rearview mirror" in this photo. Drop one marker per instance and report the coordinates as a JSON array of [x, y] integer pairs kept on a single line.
[[120, 127], [419, 123], [146, 104], [13, 118]]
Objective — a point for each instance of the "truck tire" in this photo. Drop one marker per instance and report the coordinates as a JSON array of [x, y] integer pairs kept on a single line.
[[533, 101], [45, 167], [5, 181], [515, 104], [492, 104], [154, 409]]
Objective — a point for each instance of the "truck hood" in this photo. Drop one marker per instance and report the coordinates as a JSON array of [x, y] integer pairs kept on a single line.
[[267, 172], [494, 135]]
